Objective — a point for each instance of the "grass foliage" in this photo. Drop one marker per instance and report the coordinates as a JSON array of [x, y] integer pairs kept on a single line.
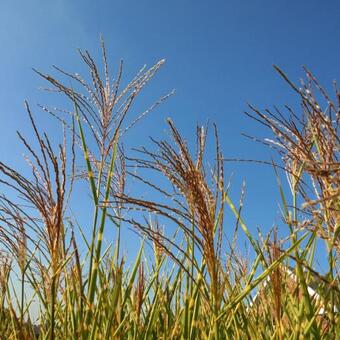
[[195, 282]]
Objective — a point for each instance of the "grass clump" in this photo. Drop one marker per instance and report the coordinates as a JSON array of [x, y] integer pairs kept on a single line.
[[195, 283]]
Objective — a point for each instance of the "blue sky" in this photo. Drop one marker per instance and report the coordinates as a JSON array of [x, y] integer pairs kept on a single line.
[[219, 57]]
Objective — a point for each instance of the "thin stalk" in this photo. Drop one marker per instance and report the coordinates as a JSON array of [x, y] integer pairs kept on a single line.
[[331, 279], [22, 297], [52, 336], [118, 244], [95, 217]]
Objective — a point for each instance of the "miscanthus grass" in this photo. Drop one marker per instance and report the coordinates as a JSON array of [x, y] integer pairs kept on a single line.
[[194, 282]]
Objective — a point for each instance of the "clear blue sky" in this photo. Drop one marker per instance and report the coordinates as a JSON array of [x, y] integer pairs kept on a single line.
[[219, 57]]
